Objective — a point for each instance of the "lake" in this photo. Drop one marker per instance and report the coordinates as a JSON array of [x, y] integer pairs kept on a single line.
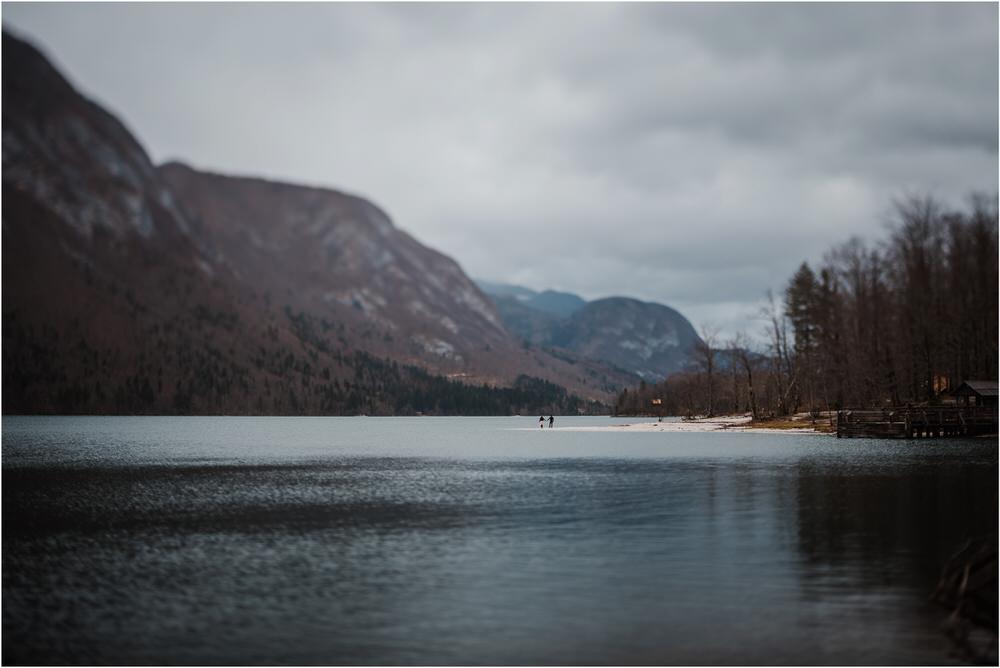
[[475, 541]]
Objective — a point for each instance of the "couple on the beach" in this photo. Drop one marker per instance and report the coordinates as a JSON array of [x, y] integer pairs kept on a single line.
[[541, 421]]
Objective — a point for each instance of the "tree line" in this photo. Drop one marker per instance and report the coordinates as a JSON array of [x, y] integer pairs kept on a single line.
[[901, 320], [181, 368]]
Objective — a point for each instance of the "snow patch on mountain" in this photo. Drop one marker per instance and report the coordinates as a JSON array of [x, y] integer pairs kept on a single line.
[[437, 347]]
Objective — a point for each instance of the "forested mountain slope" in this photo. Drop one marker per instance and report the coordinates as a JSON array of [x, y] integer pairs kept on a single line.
[[136, 289]]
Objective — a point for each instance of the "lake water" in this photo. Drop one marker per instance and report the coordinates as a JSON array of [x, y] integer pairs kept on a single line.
[[469, 541]]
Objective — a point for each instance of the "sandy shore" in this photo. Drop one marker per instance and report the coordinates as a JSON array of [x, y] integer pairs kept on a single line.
[[728, 423]]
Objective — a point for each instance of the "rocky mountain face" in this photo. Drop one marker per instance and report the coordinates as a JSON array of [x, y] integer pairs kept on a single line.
[[647, 339], [339, 258], [325, 252], [132, 288], [97, 257]]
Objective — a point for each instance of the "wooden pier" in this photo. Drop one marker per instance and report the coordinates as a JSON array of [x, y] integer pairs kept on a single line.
[[918, 422]]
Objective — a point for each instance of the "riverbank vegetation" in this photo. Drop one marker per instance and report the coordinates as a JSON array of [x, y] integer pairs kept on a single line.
[[901, 320]]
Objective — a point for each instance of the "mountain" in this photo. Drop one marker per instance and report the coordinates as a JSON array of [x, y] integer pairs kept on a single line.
[[560, 304], [531, 325], [135, 288], [325, 252], [98, 259], [553, 302], [647, 339], [319, 251], [529, 315], [506, 290]]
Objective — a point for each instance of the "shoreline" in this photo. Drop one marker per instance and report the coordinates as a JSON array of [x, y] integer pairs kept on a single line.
[[725, 423]]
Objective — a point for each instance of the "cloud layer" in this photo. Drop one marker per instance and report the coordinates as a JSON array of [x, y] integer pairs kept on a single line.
[[688, 154]]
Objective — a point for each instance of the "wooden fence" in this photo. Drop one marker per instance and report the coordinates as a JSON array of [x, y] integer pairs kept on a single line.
[[923, 422]]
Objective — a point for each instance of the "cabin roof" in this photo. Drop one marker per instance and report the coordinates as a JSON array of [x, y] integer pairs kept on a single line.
[[982, 388]]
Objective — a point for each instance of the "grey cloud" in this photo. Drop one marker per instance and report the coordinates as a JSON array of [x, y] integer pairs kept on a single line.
[[688, 153]]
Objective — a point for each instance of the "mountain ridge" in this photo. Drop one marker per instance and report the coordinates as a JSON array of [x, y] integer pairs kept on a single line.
[[137, 288]]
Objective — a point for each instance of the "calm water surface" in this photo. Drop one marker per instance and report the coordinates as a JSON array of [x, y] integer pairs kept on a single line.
[[469, 541]]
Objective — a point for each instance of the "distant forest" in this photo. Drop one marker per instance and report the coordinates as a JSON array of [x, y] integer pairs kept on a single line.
[[184, 370], [888, 323], [292, 386]]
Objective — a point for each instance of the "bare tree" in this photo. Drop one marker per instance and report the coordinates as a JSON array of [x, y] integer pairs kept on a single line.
[[705, 350], [784, 373], [740, 344], [734, 371], [800, 309]]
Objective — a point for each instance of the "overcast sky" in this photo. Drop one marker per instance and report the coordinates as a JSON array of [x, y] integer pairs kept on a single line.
[[688, 154]]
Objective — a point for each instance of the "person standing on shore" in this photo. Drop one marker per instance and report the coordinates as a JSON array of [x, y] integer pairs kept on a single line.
[[552, 421], [541, 422]]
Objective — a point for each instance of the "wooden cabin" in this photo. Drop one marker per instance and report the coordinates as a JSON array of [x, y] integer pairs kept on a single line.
[[978, 393]]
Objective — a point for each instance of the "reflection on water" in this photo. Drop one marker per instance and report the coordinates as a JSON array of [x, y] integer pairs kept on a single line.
[[226, 540]]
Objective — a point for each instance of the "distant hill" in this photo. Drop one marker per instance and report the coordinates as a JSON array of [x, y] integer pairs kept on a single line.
[[561, 304], [644, 338], [552, 302], [529, 324], [648, 339], [506, 290], [131, 288]]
